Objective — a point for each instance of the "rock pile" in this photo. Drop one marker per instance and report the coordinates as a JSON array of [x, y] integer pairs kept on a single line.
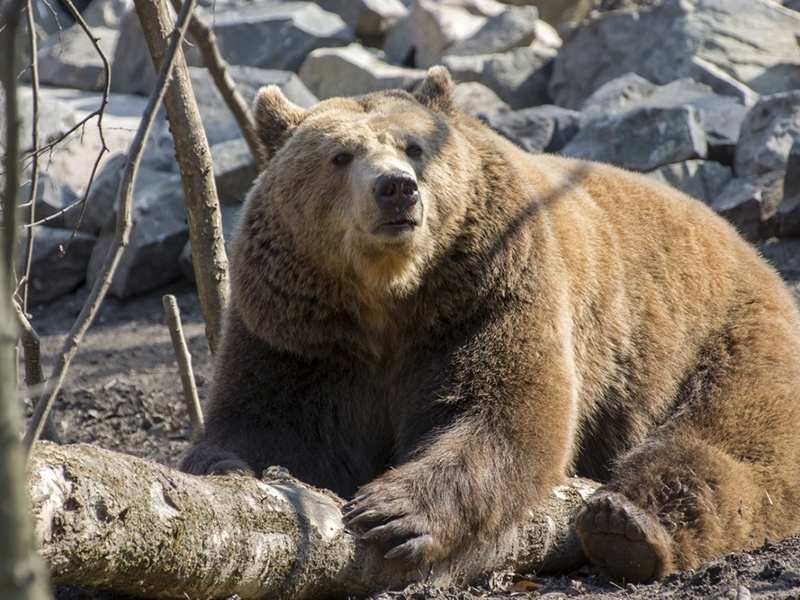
[[703, 95]]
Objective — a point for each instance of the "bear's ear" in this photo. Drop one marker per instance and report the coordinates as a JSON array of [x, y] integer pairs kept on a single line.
[[436, 92], [275, 119]]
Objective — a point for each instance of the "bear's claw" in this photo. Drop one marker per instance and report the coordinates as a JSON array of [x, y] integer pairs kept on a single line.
[[622, 540], [387, 518]]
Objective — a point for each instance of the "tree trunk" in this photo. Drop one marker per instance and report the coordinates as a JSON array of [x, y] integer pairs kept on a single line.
[[22, 575], [112, 521], [194, 160]]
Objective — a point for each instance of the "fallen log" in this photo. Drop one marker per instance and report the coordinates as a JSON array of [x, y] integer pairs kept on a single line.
[[112, 521]]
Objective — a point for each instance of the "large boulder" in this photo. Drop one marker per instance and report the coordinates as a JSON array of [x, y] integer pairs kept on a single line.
[[559, 13], [158, 235], [751, 204], [71, 60], [267, 35], [520, 77], [512, 28], [369, 19], [438, 24], [545, 128], [721, 116], [59, 263], [476, 99], [53, 197], [274, 35], [671, 40], [768, 133], [218, 122], [229, 215], [789, 208], [234, 170], [354, 70], [643, 138], [701, 179]]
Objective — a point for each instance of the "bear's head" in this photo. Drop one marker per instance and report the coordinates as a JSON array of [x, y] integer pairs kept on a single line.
[[367, 190]]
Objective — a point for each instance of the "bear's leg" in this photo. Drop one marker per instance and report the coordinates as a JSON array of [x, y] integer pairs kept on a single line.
[[721, 474]]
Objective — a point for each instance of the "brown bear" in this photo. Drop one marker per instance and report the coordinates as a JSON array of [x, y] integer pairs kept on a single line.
[[426, 317]]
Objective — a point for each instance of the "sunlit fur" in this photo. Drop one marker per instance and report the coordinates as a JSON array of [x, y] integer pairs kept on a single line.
[[546, 317]]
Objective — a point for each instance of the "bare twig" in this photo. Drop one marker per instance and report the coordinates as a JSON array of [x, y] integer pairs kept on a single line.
[[22, 573], [121, 237], [197, 176], [34, 376], [206, 41], [184, 363], [100, 112], [35, 166]]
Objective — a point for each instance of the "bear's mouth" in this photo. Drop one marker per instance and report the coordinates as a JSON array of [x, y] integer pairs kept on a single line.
[[397, 226]]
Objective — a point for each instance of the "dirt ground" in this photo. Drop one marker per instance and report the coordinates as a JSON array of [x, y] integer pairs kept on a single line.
[[123, 393]]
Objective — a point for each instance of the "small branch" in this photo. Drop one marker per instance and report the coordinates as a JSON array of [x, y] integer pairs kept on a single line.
[[100, 112], [35, 166], [184, 363], [121, 236], [131, 526], [206, 40], [34, 376], [55, 215]]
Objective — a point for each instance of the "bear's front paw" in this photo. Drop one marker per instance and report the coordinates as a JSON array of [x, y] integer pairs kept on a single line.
[[211, 460], [385, 513]]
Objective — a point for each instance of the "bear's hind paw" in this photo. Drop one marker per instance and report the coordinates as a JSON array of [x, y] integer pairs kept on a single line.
[[622, 540]]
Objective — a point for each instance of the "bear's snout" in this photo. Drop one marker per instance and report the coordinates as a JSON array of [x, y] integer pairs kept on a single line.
[[396, 192]]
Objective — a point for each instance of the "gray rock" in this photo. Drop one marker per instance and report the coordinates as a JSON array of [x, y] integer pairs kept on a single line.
[[467, 69], [513, 28], [662, 43], [768, 133], [520, 77], [52, 196], [751, 204], [219, 124], [230, 219], [275, 35], [543, 128], [234, 170], [158, 235], [789, 208], [132, 70], [559, 12], [101, 201], [721, 116], [370, 19], [615, 97], [52, 122], [70, 60], [399, 43], [784, 255], [475, 98], [53, 274], [438, 24], [642, 139], [701, 179], [354, 70], [106, 13]]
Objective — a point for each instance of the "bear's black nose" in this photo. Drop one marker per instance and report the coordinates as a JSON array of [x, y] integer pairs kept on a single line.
[[396, 190]]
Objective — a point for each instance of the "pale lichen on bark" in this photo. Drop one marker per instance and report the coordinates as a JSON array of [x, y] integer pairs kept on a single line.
[[112, 521]]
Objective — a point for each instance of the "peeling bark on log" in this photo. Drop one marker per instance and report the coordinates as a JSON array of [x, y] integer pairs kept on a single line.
[[124, 524]]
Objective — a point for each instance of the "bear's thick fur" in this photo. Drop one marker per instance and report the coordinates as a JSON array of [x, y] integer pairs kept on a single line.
[[427, 317]]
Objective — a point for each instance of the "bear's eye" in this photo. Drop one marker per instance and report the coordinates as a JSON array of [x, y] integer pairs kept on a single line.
[[342, 158], [414, 150]]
